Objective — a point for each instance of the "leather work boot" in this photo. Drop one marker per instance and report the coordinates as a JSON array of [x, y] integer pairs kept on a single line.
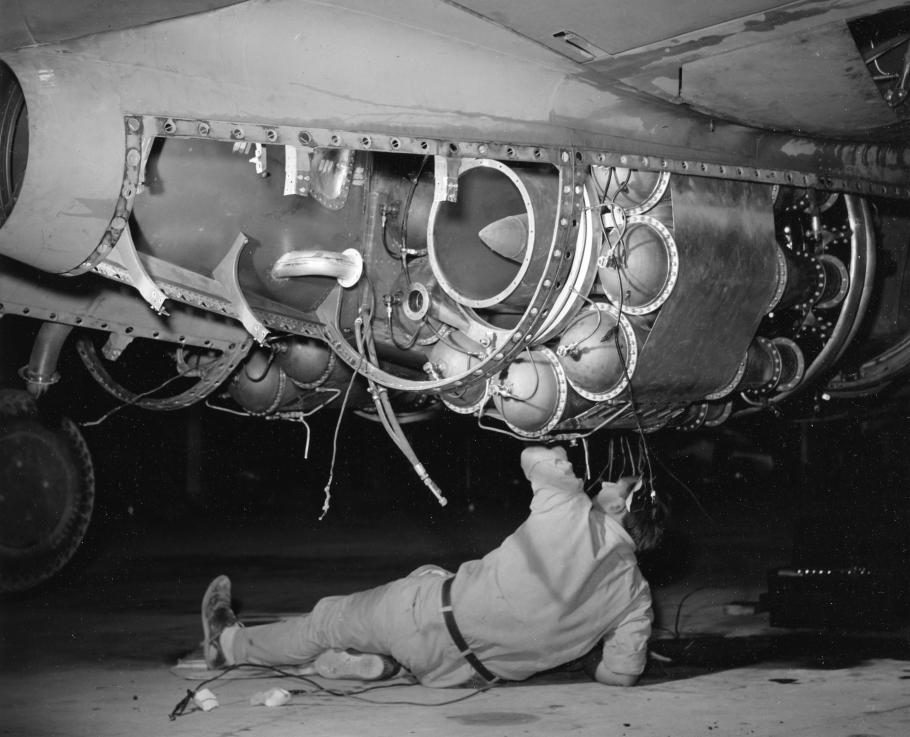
[[351, 664], [217, 615]]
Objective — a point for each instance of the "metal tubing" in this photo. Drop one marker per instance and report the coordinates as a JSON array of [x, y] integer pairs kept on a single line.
[[346, 267], [41, 372]]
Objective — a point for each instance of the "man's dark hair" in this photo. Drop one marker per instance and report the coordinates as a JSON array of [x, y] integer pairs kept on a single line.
[[647, 521]]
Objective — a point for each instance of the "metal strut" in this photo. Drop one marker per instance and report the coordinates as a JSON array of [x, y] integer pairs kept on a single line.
[[226, 274], [126, 255]]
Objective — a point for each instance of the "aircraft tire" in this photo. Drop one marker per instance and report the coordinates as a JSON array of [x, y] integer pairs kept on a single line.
[[47, 493], [16, 403]]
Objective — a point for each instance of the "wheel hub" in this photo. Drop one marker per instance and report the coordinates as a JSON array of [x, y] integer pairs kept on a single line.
[[36, 487]]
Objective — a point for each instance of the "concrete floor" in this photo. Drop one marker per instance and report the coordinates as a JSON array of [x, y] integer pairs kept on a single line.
[[94, 654]]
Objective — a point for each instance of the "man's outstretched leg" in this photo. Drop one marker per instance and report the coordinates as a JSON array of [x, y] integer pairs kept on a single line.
[[301, 640]]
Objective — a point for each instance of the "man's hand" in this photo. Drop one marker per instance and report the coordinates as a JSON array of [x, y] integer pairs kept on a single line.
[[542, 463], [609, 678], [597, 671]]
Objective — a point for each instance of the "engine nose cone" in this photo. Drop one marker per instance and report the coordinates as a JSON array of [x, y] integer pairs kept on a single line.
[[532, 394], [508, 236]]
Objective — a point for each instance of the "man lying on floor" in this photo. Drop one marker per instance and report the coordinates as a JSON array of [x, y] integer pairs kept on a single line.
[[566, 579]]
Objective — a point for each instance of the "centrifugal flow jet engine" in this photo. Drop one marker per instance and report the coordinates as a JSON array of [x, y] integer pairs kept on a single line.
[[278, 247], [545, 293]]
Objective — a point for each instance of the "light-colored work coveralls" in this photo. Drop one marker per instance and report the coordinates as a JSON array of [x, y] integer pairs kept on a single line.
[[566, 578]]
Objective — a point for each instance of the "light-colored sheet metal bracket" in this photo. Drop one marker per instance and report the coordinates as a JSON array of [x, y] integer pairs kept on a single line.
[[297, 176], [446, 171], [126, 255], [226, 275]]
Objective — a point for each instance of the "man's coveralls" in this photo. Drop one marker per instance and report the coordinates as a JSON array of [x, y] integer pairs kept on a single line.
[[566, 578]]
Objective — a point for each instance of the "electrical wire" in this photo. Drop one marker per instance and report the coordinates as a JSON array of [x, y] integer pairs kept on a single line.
[[92, 423], [300, 415], [228, 410], [402, 248], [289, 415], [269, 671], [691, 493], [506, 392], [265, 371], [306, 445], [500, 430], [319, 390], [407, 208], [610, 418], [632, 400], [676, 633], [612, 206], [607, 470], [445, 341], [584, 445], [385, 241], [327, 490], [395, 342], [569, 348], [640, 429], [645, 453]]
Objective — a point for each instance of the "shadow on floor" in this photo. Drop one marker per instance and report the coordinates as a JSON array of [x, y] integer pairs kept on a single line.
[[690, 657]]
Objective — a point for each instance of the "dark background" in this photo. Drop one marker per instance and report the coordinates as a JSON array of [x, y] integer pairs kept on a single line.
[[838, 487]]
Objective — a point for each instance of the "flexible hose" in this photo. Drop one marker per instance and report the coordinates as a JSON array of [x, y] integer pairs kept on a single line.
[[387, 414]]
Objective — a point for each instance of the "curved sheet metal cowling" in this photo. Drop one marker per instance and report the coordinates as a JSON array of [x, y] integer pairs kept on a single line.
[[727, 277]]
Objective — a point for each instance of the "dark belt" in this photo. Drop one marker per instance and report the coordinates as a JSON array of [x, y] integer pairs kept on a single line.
[[463, 648]]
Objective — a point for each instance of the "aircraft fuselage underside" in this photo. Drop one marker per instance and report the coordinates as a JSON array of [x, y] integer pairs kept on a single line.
[[549, 291]]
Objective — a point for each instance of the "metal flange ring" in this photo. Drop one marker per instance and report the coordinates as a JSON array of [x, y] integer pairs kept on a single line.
[[630, 362], [466, 166], [562, 396], [669, 280]]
